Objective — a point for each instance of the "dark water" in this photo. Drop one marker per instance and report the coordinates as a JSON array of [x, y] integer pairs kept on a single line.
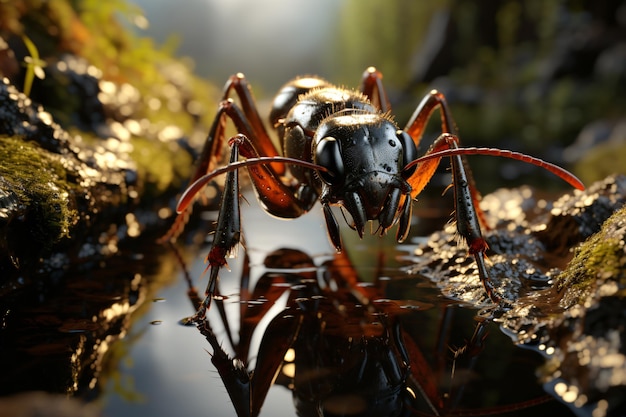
[[341, 342], [337, 333]]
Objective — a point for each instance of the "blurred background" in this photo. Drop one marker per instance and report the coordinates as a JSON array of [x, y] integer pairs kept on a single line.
[[543, 77]]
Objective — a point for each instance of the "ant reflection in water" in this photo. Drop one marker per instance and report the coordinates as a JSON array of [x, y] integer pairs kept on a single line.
[[339, 345]]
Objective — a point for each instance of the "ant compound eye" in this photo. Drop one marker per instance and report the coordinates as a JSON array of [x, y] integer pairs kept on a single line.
[[328, 155], [409, 151]]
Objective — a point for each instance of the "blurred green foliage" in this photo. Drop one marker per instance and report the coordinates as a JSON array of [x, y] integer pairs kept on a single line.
[[525, 75], [105, 34], [383, 34]]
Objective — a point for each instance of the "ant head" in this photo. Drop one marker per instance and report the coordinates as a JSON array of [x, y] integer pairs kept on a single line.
[[364, 155]]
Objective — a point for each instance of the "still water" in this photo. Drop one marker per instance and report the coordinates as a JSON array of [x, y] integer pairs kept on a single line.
[[164, 368], [167, 369]]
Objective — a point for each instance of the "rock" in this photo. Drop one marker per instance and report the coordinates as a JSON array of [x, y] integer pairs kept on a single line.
[[562, 265], [57, 190], [579, 323]]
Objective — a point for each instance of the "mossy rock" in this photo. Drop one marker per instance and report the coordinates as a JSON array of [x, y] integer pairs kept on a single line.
[[587, 366], [35, 184], [55, 187], [105, 136]]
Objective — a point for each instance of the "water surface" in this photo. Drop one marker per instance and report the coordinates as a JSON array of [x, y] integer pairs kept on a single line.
[[165, 368]]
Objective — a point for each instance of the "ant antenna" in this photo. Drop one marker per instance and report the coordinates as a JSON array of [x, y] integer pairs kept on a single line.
[[562, 173]]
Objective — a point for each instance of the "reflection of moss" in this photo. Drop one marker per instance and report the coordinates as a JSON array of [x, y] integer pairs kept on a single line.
[[600, 257], [38, 179]]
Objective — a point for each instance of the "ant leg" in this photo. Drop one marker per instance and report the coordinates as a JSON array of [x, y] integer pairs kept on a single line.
[[210, 157], [467, 217], [372, 87], [261, 140], [227, 234], [420, 376], [421, 116], [247, 121], [415, 128], [237, 380], [276, 197]]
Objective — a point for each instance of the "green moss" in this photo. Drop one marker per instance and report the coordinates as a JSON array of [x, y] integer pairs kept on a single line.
[[601, 257], [105, 34], [39, 181]]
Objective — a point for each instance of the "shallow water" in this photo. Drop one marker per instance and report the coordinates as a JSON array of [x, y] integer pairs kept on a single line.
[[165, 368], [336, 332]]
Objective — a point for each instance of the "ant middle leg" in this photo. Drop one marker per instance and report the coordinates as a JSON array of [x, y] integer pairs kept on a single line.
[[252, 141], [276, 198]]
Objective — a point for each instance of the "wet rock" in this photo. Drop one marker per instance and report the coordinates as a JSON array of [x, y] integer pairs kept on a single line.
[[579, 323], [91, 160], [55, 188], [83, 178], [77, 82], [562, 265], [516, 259], [105, 181], [89, 165]]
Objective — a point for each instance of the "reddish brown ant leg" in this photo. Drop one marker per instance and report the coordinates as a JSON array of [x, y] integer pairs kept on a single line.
[[261, 140], [372, 87], [416, 126], [276, 197], [246, 120]]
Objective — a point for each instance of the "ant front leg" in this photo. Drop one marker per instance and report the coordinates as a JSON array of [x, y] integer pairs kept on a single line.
[[276, 197], [469, 217], [227, 234]]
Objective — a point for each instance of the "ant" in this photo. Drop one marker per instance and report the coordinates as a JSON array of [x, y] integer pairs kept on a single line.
[[339, 147]]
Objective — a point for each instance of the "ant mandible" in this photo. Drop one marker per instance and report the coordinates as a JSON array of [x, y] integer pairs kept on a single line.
[[339, 147]]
